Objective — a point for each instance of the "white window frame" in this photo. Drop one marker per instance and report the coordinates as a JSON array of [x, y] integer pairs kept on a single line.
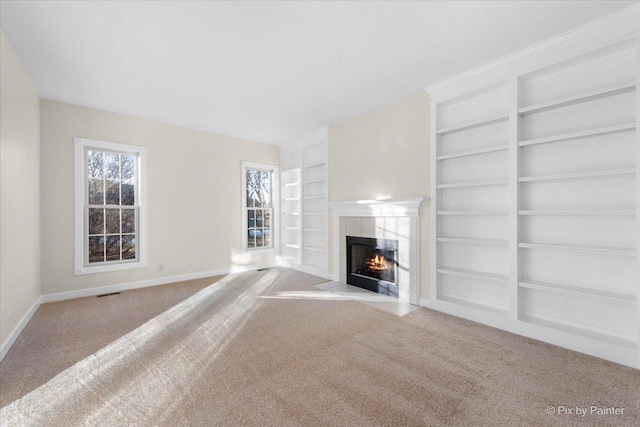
[[80, 221], [275, 203]]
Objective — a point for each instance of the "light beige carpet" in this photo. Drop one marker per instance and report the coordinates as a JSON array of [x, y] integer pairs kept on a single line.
[[266, 348]]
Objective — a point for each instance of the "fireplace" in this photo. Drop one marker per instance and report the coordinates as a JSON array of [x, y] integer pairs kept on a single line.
[[372, 264]]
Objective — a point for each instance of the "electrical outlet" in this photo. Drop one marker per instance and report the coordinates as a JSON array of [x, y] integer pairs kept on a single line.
[[10, 316], [189, 265], [160, 267]]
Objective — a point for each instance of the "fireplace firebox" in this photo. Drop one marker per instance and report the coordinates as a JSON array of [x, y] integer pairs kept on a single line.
[[372, 264]]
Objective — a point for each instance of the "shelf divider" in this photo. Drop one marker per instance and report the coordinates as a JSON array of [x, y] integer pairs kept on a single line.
[[473, 184], [579, 213], [617, 297], [602, 250], [576, 99], [474, 241], [474, 274], [579, 135], [473, 152], [472, 213], [577, 175], [473, 124]]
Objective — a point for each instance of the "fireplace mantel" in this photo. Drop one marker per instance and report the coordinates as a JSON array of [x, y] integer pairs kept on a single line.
[[398, 208], [378, 208]]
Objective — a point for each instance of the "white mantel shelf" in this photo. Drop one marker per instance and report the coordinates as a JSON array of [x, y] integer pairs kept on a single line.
[[378, 208]]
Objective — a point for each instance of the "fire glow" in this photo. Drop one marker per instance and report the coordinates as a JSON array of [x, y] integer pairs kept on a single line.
[[377, 263]]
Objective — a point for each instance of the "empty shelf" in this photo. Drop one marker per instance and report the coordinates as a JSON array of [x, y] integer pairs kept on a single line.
[[316, 164], [291, 184], [571, 100], [473, 152], [312, 248], [473, 274], [578, 328], [474, 124], [617, 297], [603, 250], [290, 213], [291, 245], [473, 302], [289, 199], [291, 228], [577, 175], [472, 213], [314, 213], [313, 181], [313, 229], [473, 184], [462, 240], [591, 213], [314, 197], [578, 135]]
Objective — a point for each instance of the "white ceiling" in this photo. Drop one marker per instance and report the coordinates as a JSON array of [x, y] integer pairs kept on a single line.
[[267, 71]]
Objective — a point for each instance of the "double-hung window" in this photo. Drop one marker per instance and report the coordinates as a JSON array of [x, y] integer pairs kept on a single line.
[[259, 183], [110, 212]]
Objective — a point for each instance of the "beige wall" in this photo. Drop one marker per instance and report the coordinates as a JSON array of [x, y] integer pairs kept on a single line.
[[385, 153], [193, 196], [19, 190]]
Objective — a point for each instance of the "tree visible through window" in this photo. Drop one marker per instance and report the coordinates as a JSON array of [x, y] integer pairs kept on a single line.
[[111, 207], [259, 208]]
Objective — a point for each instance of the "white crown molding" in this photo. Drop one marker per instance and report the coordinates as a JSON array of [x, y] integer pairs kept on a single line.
[[607, 30], [378, 208], [316, 137]]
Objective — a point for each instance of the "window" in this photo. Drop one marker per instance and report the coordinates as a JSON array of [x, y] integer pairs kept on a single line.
[[260, 195], [109, 206]]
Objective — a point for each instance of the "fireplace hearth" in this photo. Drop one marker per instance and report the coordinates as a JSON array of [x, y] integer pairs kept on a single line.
[[372, 264]]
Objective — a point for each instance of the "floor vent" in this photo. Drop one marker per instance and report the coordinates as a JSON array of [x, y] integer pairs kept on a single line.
[[107, 295], [262, 269]]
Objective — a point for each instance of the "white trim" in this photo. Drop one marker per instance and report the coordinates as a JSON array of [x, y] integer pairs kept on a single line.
[[80, 144], [88, 292], [424, 302], [609, 29], [378, 208], [17, 330], [275, 204]]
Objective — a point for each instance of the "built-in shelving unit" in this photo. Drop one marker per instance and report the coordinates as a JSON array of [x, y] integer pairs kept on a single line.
[[535, 193], [309, 235], [290, 209]]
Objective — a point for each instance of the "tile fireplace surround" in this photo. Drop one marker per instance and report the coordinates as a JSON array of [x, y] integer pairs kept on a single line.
[[386, 219]]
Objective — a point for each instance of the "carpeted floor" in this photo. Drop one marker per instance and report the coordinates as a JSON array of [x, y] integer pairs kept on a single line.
[[267, 348]]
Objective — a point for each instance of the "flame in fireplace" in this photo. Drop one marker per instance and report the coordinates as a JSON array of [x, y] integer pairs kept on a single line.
[[377, 263]]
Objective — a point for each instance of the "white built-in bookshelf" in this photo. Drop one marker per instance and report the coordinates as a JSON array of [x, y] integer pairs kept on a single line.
[[535, 192], [304, 234]]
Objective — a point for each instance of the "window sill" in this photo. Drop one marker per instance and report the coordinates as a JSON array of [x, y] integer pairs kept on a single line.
[[110, 267], [260, 251]]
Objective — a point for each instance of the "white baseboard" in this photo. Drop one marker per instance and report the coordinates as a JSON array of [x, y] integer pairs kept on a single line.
[[17, 330], [424, 302], [61, 296]]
